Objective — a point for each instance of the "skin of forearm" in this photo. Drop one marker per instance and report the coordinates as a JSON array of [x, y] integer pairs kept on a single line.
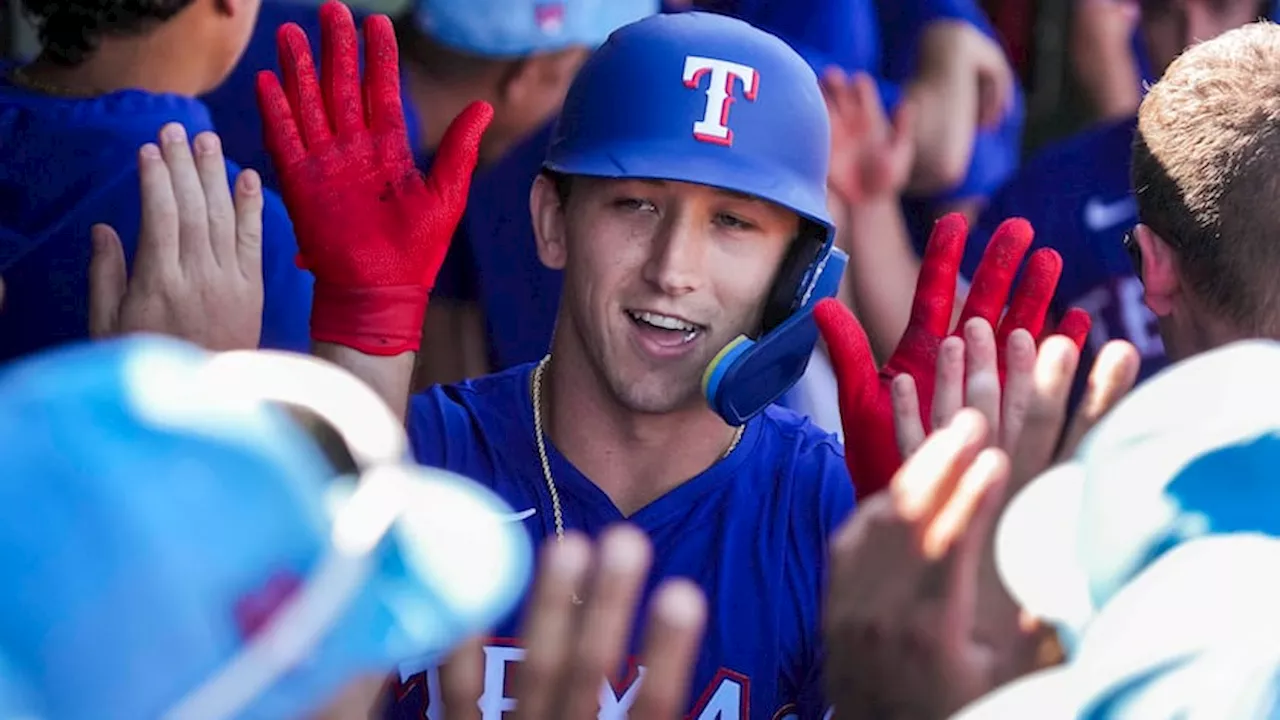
[[882, 272], [388, 376], [945, 97]]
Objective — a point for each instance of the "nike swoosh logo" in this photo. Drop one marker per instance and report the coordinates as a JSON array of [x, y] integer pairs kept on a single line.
[[1100, 215], [522, 515]]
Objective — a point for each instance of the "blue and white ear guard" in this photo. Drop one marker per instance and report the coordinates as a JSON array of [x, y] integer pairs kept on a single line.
[[747, 375]]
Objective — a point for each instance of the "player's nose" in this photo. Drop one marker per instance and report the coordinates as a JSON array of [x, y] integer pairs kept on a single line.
[[677, 257]]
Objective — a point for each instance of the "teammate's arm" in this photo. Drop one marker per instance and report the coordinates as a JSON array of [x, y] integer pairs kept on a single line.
[[372, 230], [960, 81], [871, 159], [963, 84]]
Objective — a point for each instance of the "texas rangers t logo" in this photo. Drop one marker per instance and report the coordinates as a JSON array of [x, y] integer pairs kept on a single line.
[[714, 125]]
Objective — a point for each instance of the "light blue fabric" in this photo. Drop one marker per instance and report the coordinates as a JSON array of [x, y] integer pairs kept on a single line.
[[509, 28], [152, 519]]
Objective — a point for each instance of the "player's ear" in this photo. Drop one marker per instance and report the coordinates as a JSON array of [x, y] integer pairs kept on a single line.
[[231, 8], [1159, 274], [548, 211]]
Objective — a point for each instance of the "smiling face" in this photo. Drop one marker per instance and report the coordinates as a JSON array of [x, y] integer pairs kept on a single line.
[[658, 278]]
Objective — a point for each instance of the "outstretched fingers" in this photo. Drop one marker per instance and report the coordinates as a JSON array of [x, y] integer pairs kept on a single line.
[[280, 131], [340, 67], [385, 114], [301, 85], [1032, 297], [936, 287]]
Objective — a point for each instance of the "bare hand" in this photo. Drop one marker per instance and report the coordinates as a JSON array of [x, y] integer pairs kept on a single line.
[[573, 647], [902, 604], [968, 375], [198, 270], [1030, 414], [871, 156], [1029, 418]]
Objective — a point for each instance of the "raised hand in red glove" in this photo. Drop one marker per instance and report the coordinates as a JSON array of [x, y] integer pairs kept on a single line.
[[370, 227], [866, 407]]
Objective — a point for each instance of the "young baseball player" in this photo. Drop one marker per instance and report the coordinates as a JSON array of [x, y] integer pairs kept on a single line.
[[694, 247], [509, 298]]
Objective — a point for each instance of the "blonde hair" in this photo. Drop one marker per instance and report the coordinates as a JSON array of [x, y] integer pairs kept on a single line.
[[1206, 171]]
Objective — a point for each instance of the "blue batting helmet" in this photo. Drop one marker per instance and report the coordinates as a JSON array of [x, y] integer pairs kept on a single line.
[[700, 98]]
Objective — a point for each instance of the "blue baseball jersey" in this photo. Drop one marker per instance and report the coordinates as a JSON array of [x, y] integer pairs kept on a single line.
[[71, 163], [234, 104], [751, 530], [1076, 195]]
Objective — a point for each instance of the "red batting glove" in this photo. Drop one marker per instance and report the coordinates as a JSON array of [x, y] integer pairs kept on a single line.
[[866, 408], [371, 229]]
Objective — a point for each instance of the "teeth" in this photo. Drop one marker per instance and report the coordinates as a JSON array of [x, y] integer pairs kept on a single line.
[[665, 322]]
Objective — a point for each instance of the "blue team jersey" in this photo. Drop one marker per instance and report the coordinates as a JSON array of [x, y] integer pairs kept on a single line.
[[1076, 195], [70, 163], [751, 530], [234, 104]]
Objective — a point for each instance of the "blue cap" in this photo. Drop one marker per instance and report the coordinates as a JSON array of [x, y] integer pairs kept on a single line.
[[1192, 452], [1195, 636], [700, 98], [514, 28], [173, 544]]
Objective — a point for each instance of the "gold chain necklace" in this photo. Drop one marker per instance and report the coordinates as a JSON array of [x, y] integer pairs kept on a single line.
[[538, 436], [20, 76]]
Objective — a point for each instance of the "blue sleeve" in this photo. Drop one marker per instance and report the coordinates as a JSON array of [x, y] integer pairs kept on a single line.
[[286, 312], [457, 279], [835, 505], [441, 432], [426, 424], [824, 32]]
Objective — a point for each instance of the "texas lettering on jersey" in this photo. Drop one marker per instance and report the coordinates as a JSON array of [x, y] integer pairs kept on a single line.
[[1119, 313], [726, 697]]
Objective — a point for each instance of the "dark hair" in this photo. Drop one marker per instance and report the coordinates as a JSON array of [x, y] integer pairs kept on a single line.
[[70, 30], [439, 61], [1206, 172]]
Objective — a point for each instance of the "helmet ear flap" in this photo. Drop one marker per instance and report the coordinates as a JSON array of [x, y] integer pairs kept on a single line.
[[795, 275], [748, 375]]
